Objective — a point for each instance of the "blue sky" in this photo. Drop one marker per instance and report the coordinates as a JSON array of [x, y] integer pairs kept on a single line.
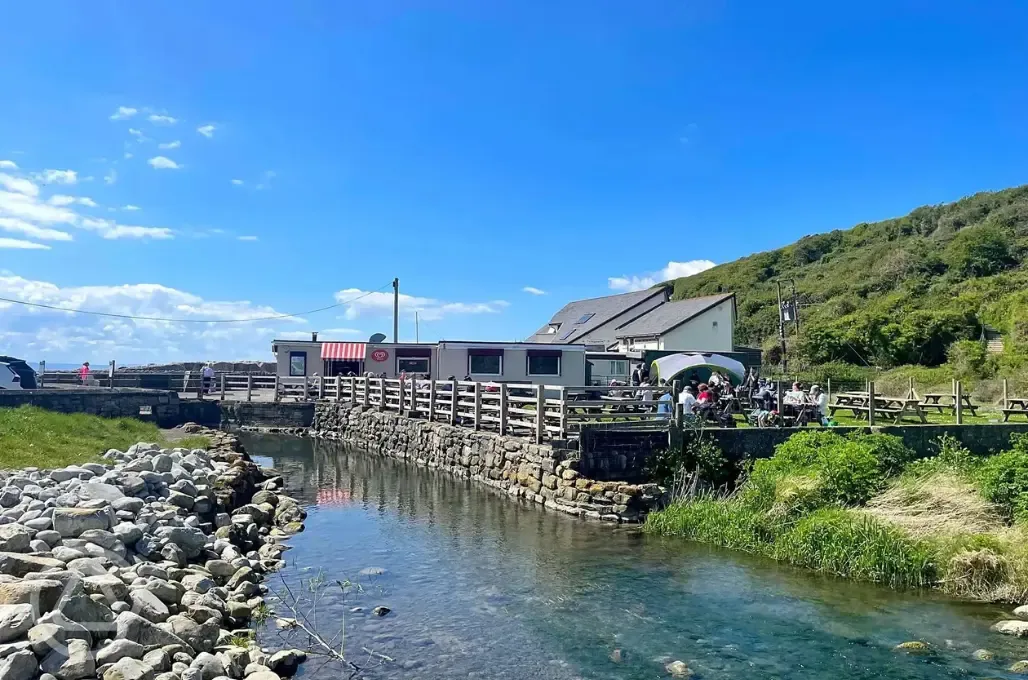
[[470, 148]]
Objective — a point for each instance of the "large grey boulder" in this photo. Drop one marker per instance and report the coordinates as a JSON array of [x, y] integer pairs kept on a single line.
[[15, 538], [158, 660], [71, 522], [201, 636], [128, 533], [168, 592], [17, 564], [1016, 628], [41, 593], [19, 666], [88, 566], [189, 539], [209, 665], [287, 661], [134, 627], [94, 615], [94, 490], [148, 605], [73, 662], [104, 539], [70, 628], [109, 586], [45, 637], [119, 649], [15, 621], [129, 669], [128, 503], [67, 554]]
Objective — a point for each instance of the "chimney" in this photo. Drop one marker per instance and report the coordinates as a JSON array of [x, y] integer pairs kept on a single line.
[[314, 336]]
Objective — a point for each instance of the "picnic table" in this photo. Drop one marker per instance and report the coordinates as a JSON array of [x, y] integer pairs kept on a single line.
[[894, 407], [936, 401], [1015, 406]]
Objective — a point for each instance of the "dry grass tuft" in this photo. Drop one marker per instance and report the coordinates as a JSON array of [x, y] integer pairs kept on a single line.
[[937, 505]]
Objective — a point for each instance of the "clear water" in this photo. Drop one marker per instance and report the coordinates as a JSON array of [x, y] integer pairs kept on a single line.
[[482, 587]]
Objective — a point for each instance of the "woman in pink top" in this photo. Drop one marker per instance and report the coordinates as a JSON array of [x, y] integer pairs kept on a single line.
[[84, 373]]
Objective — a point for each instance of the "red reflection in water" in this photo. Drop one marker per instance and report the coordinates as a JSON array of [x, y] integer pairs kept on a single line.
[[334, 497]]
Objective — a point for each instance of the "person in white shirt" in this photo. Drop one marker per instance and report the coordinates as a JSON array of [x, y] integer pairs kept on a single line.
[[208, 377], [821, 400], [795, 396], [688, 401]]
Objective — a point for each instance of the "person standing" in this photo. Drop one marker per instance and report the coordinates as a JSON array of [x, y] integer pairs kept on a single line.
[[208, 377], [84, 373]]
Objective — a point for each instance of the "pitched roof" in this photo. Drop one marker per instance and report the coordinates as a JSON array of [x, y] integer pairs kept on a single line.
[[663, 318], [579, 318]]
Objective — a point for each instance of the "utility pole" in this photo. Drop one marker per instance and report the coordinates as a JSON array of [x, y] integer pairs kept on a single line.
[[781, 327], [795, 306], [417, 328], [396, 310]]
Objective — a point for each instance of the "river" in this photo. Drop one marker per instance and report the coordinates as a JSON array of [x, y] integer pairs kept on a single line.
[[482, 587]]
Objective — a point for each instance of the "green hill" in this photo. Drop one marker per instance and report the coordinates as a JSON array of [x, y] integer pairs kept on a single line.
[[901, 291]]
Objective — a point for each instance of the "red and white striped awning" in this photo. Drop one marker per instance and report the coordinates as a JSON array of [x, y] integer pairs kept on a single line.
[[343, 351]]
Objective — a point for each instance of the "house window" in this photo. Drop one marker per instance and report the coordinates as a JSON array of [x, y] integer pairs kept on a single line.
[[297, 363], [479, 364], [544, 364], [584, 318], [554, 327], [619, 368], [412, 365]]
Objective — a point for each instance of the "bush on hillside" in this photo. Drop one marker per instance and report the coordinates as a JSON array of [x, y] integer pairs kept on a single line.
[[979, 251], [1003, 480], [969, 360]]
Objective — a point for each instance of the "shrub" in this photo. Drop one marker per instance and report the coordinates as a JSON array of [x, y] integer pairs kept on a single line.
[[1003, 480], [892, 454], [699, 452], [979, 251], [850, 474], [969, 359]]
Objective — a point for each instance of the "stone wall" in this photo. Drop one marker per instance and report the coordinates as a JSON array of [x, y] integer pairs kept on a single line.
[[618, 454], [266, 414], [534, 472], [119, 402]]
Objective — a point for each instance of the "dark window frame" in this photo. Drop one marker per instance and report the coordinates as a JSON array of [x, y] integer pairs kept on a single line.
[[483, 354], [544, 354], [292, 355], [427, 359]]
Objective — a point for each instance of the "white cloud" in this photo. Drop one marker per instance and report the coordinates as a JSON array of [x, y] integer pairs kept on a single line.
[[266, 182], [111, 177], [238, 182], [57, 176], [8, 165], [60, 336], [18, 226], [673, 270], [124, 113], [18, 244], [170, 145], [135, 132], [428, 309], [86, 201], [206, 130], [161, 119], [163, 163], [111, 230], [246, 238], [22, 186], [533, 290], [29, 208], [130, 208], [62, 200], [324, 334], [128, 155]]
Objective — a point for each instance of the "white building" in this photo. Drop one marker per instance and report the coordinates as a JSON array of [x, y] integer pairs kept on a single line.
[[703, 324]]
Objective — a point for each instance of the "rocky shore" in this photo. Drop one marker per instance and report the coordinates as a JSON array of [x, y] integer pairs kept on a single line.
[[145, 567]]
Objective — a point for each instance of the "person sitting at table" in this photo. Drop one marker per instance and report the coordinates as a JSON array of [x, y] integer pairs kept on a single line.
[[795, 396], [688, 401], [664, 403], [820, 401], [645, 394]]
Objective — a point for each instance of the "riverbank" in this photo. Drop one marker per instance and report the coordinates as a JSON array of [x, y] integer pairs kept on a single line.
[[145, 566], [865, 507]]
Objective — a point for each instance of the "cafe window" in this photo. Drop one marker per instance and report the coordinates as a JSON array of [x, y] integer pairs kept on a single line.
[[297, 363], [410, 365], [544, 364], [485, 364], [619, 368]]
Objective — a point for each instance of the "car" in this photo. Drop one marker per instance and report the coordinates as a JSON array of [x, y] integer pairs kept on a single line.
[[9, 379], [25, 373]]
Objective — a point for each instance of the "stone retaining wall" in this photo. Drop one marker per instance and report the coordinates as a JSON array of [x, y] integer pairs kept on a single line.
[[265, 414], [538, 473], [119, 402]]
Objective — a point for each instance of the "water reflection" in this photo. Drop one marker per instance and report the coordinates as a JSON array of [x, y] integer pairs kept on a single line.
[[484, 587]]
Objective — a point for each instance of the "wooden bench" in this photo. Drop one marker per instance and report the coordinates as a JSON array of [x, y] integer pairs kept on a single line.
[[936, 401], [1015, 407]]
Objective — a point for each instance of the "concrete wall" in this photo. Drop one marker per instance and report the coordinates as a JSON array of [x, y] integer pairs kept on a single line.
[[117, 403], [266, 414], [532, 472], [453, 360]]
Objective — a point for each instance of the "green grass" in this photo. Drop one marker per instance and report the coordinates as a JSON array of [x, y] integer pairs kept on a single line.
[[31, 436], [195, 441]]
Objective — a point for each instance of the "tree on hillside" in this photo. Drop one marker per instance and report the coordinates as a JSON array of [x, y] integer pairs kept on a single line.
[[979, 251]]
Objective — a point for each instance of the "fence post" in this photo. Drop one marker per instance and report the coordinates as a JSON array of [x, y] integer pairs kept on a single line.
[[952, 386], [367, 392], [871, 403], [42, 372], [276, 387], [780, 401], [563, 411], [112, 374], [958, 404], [249, 386], [353, 389], [540, 413], [910, 387], [503, 408], [478, 405], [321, 387], [399, 403], [829, 390], [223, 387], [431, 399], [414, 398], [1006, 395], [454, 398], [382, 390]]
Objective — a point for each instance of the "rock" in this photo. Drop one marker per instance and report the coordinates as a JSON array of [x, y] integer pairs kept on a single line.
[[200, 636], [88, 566], [93, 490], [71, 663], [175, 554], [44, 637], [235, 660], [15, 538], [19, 666], [241, 575], [263, 675], [41, 593], [380, 610], [66, 554], [678, 669], [254, 667], [147, 569], [111, 587], [372, 571], [70, 629], [190, 540], [261, 497], [1019, 668], [198, 583], [210, 666], [119, 649], [104, 539], [983, 655], [50, 536], [192, 674], [1017, 628], [148, 605], [128, 504], [914, 647], [167, 592], [128, 533], [1021, 612], [240, 611], [131, 626], [71, 522], [15, 621], [129, 669], [286, 662], [37, 546], [17, 564], [158, 660], [220, 569]]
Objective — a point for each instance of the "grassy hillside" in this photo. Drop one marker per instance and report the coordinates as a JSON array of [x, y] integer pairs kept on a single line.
[[896, 292]]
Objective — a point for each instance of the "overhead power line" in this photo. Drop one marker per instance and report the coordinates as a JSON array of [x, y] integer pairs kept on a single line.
[[163, 318]]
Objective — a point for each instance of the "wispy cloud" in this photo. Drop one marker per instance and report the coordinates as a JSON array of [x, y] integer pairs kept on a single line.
[[18, 185], [8, 165], [138, 134], [163, 163], [428, 309], [265, 182], [130, 208], [246, 238], [170, 145], [128, 155], [111, 230], [124, 113], [206, 130], [19, 244], [17, 226], [161, 119], [532, 290], [111, 177], [673, 270], [62, 200], [238, 182], [57, 177]]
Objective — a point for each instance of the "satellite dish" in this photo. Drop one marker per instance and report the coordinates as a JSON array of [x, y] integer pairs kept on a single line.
[[377, 337]]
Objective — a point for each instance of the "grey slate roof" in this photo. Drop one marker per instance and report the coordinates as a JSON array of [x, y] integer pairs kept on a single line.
[[664, 317], [603, 310]]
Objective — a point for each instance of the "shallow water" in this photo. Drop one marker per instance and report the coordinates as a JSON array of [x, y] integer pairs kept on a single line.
[[482, 587]]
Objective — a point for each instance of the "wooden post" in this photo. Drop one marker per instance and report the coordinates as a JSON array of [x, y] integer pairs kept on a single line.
[[431, 399], [540, 413], [1006, 394], [321, 387], [503, 408], [353, 389], [952, 386], [276, 387], [382, 389], [249, 386], [454, 398], [910, 387], [780, 397], [829, 390], [367, 392], [478, 406], [223, 387], [871, 403], [563, 411], [399, 404], [676, 405], [42, 373], [958, 403], [110, 373]]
